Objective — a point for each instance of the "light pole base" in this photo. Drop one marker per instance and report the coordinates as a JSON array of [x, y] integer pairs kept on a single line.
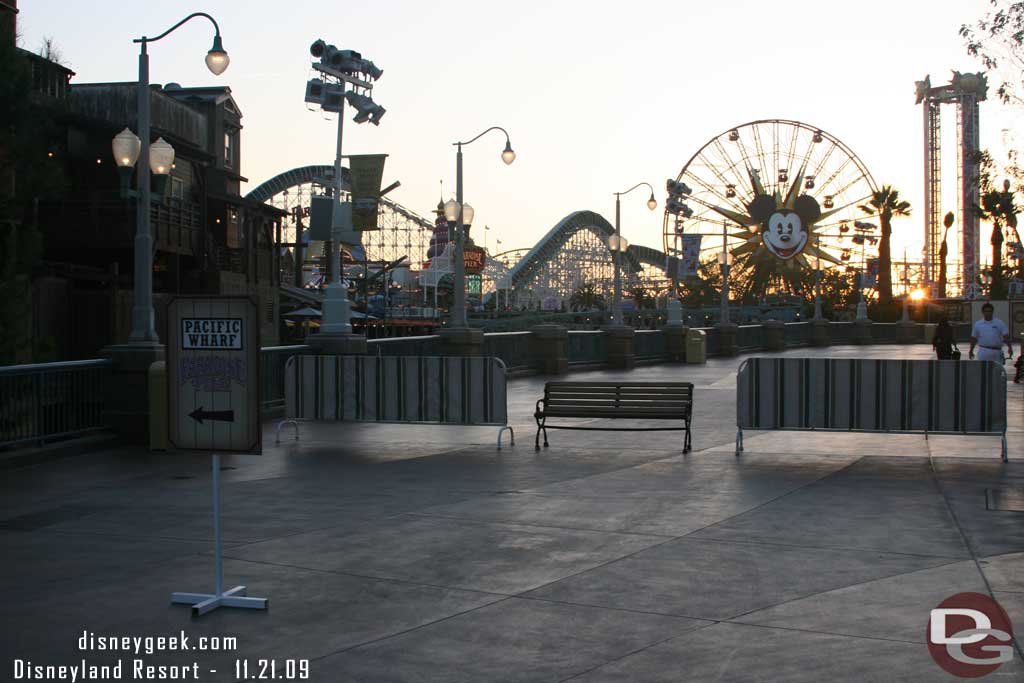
[[727, 339], [862, 331], [462, 341], [909, 333], [126, 393], [774, 335], [548, 349], [675, 341], [821, 335], [862, 310], [620, 349], [337, 310], [327, 344]]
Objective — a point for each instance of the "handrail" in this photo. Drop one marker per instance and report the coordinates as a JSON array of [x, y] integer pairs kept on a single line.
[[60, 365]]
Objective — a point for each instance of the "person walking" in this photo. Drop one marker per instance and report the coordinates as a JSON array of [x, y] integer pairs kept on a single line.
[[942, 341], [990, 334]]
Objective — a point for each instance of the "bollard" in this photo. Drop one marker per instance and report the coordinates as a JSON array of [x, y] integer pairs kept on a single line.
[[157, 382]]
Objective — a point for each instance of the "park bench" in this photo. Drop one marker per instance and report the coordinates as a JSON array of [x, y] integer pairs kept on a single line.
[[397, 389], [613, 401], [871, 395]]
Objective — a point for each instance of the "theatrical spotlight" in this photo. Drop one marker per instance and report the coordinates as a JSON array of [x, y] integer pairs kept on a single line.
[[677, 189], [676, 207], [367, 109]]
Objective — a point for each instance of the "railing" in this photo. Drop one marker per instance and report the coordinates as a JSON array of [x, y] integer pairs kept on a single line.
[[427, 345], [884, 333], [272, 360], [587, 346], [649, 344], [47, 401], [841, 333], [513, 348], [750, 337], [797, 334]]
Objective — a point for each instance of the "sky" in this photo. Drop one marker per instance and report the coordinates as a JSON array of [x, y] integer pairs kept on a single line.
[[596, 97]]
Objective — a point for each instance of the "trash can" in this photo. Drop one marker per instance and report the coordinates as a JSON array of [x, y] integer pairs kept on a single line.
[[158, 440], [696, 347], [929, 332]]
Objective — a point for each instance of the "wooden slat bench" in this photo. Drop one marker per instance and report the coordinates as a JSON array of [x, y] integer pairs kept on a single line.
[[615, 400]]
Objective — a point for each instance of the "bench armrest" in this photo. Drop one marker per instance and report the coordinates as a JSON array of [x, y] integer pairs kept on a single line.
[[537, 409]]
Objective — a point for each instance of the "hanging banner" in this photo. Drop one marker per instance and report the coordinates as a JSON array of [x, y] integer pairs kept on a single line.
[[367, 172], [871, 274], [686, 265]]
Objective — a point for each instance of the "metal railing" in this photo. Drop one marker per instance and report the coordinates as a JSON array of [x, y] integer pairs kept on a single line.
[[513, 348], [797, 334], [426, 345], [649, 344], [272, 360], [47, 401], [587, 346]]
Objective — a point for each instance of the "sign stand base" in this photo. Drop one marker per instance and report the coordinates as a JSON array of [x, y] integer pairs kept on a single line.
[[207, 602]]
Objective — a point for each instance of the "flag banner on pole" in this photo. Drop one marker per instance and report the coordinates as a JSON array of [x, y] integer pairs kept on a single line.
[[367, 172], [685, 266], [871, 274]]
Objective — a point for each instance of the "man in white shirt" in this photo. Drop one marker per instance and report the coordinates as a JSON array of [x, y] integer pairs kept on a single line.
[[990, 334]]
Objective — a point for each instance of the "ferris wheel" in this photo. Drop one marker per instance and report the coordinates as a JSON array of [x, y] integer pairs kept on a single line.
[[778, 194]]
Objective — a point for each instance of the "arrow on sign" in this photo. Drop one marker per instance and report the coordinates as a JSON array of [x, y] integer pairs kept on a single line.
[[222, 415]]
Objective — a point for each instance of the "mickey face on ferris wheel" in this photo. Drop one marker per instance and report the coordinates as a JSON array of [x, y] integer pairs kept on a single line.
[[784, 231]]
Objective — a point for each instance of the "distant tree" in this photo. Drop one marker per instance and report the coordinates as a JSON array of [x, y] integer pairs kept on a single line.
[[587, 298], [886, 204], [27, 174], [997, 40], [643, 298]]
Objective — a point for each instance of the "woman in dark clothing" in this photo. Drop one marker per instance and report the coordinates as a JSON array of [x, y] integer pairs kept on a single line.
[[942, 342]]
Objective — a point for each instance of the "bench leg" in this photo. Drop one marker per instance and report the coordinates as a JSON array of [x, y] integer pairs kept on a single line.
[[511, 434], [688, 439], [280, 425], [540, 428], [739, 441], [1004, 454]]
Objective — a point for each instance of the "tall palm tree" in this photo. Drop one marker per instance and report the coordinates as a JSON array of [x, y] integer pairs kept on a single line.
[[885, 203], [998, 207], [944, 253]]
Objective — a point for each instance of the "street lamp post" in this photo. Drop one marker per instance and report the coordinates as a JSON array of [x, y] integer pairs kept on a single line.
[[462, 214], [817, 288], [126, 153], [618, 244], [725, 261]]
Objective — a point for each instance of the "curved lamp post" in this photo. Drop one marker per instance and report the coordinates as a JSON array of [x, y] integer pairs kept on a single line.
[[156, 158], [725, 261], [816, 262], [617, 244], [462, 214]]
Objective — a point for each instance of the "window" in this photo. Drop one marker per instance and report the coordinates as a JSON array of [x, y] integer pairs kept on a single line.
[[229, 148], [177, 190], [233, 233]]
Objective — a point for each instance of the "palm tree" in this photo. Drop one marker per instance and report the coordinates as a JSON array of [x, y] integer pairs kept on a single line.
[[643, 298], [998, 207], [886, 204], [943, 254], [587, 298]]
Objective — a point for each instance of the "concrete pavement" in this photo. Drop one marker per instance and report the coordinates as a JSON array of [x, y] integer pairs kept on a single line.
[[420, 553]]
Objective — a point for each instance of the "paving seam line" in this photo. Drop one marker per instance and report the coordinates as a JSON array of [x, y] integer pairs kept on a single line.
[[969, 545]]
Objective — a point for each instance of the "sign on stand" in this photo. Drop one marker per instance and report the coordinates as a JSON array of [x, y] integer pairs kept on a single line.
[[213, 360], [213, 367]]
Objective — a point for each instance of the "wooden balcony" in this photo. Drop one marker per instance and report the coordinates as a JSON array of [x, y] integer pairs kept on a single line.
[[110, 224]]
